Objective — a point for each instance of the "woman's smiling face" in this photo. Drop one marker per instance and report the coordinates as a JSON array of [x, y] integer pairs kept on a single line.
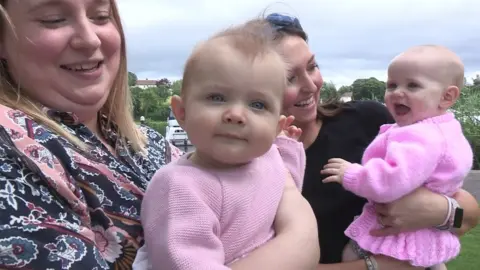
[[305, 80]]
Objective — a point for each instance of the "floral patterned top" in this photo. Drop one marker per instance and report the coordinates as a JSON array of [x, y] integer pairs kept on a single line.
[[64, 208]]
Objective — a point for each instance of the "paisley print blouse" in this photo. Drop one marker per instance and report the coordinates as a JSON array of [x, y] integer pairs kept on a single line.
[[64, 208]]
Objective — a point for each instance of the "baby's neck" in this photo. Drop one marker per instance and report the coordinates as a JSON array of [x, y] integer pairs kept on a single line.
[[436, 114], [208, 162]]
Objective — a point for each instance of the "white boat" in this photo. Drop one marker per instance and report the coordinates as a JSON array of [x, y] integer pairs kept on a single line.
[[176, 135]]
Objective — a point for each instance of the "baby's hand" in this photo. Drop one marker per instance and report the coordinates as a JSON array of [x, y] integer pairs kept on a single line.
[[287, 129], [336, 169]]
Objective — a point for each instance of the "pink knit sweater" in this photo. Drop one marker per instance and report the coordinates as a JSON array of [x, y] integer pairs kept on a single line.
[[202, 219], [433, 153]]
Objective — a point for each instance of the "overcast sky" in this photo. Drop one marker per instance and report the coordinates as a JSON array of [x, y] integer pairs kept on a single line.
[[351, 38]]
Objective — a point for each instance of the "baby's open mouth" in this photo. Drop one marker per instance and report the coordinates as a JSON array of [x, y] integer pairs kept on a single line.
[[401, 109]]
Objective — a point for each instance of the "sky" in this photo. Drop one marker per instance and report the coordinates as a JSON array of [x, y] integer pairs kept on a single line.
[[351, 39]]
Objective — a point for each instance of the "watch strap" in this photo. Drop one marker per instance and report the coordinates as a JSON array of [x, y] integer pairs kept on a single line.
[[454, 216]]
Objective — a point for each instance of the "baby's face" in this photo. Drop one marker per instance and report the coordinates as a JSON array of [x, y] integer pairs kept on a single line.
[[232, 109], [414, 89]]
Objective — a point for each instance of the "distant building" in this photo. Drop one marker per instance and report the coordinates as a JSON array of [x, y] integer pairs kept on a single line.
[[144, 84], [346, 97]]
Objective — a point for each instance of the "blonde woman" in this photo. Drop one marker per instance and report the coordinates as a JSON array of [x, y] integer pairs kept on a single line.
[[73, 164]]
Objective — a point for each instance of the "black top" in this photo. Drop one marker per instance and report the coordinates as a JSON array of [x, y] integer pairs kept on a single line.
[[343, 136]]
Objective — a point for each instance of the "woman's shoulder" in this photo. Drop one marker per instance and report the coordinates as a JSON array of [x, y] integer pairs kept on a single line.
[[152, 135], [369, 108], [365, 116], [13, 119], [22, 128], [158, 146], [368, 112]]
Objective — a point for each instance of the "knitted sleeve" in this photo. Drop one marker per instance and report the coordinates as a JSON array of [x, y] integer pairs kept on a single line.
[[293, 155], [411, 157], [180, 214]]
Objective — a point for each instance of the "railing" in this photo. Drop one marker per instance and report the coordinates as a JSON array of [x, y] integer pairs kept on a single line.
[[184, 146]]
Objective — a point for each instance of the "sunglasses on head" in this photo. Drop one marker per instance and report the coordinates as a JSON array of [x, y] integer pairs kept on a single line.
[[279, 21]]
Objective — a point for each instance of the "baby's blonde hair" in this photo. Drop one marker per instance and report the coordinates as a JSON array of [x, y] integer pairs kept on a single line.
[[252, 40]]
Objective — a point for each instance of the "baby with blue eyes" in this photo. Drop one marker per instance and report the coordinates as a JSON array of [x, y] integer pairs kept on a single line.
[[218, 203]]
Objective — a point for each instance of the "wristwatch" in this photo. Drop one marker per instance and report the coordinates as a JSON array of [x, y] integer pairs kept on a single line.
[[371, 262], [454, 218]]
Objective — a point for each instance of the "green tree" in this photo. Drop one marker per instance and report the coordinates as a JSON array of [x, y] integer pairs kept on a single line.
[[137, 104], [150, 100], [132, 79], [476, 80], [328, 91], [467, 111], [176, 87], [149, 103], [164, 82], [371, 89], [163, 91], [344, 89]]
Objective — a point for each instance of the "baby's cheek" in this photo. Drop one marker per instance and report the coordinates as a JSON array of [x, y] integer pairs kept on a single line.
[[289, 98]]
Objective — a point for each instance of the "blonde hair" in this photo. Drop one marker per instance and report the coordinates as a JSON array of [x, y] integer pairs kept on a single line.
[[251, 40], [117, 108]]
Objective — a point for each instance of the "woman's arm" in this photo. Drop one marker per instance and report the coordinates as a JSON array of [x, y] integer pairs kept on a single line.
[[425, 209], [289, 250], [296, 243], [158, 141], [382, 263], [355, 265]]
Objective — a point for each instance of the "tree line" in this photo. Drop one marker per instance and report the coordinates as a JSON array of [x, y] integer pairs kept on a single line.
[[374, 89], [153, 102]]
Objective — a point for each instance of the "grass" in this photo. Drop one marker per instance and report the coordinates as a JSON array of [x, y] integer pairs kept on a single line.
[[469, 258]]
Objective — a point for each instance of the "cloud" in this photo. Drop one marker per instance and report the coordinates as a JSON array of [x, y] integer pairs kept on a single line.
[[352, 39]]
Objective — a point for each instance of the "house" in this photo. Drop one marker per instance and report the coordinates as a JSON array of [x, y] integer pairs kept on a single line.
[[144, 84], [346, 97]]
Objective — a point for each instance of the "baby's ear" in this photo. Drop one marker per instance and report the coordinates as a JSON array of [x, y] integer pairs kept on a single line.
[[449, 97], [178, 109]]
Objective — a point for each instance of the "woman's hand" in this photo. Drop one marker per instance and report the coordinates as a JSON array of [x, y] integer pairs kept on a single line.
[[424, 209], [418, 210], [471, 211]]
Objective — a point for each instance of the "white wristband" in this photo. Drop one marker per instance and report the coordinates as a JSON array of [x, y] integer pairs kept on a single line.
[[449, 213]]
